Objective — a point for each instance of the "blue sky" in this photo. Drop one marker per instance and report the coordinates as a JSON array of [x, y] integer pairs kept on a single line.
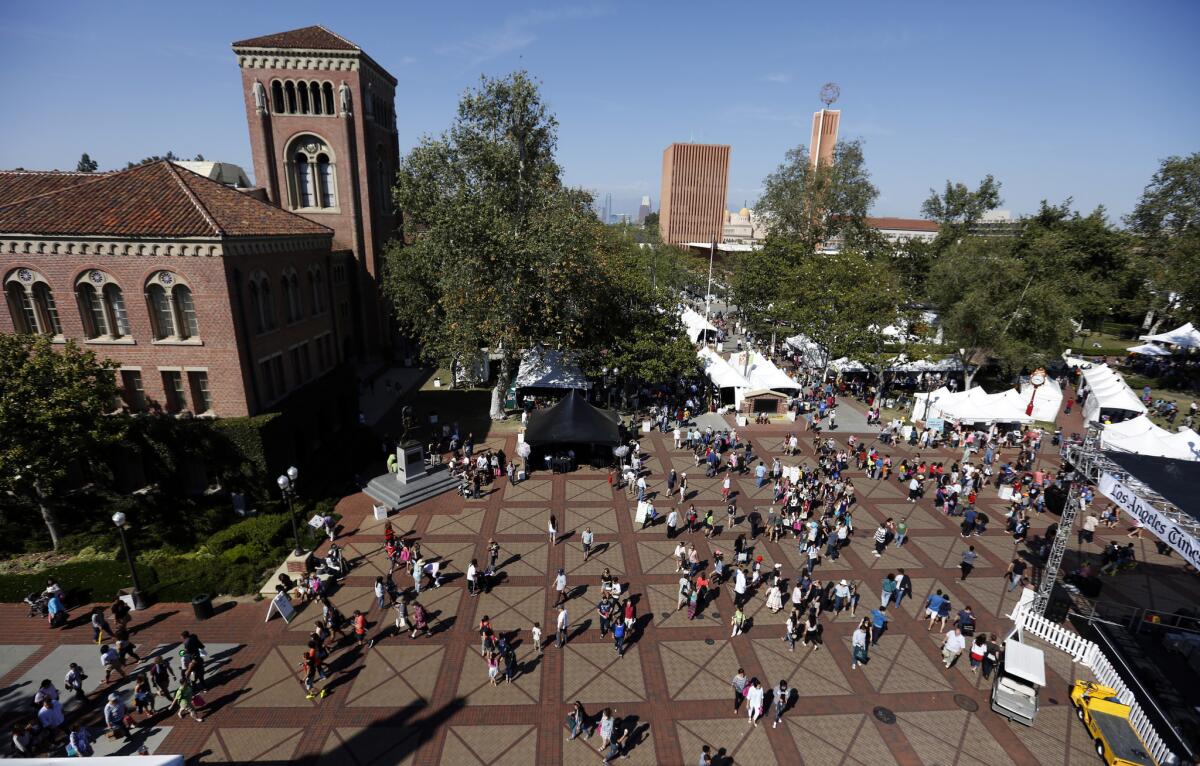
[[1055, 99]]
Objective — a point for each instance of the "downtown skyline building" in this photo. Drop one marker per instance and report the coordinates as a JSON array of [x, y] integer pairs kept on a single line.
[[695, 180]]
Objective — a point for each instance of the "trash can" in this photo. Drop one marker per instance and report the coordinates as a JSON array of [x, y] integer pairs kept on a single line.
[[202, 606]]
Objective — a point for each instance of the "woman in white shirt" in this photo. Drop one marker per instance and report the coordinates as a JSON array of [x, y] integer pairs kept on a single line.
[[754, 700]]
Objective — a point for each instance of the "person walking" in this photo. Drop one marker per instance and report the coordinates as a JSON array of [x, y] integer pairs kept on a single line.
[[552, 529], [881, 536], [782, 696], [472, 576], [737, 621], [858, 643], [605, 727], [561, 626], [978, 651], [605, 610], [586, 540], [161, 674], [903, 587], [739, 587], [74, 680], [791, 629], [420, 620], [953, 646], [991, 656], [381, 591], [812, 630], [618, 631], [560, 586], [1015, 573], [888, 589], [754, 702], [672, 523], [740, 682], [968, 562], [879, 620]]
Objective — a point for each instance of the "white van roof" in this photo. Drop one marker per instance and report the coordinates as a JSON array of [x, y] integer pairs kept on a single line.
[[1025, 662]]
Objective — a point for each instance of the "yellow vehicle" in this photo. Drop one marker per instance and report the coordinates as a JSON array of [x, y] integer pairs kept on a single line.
[[1107, 720]]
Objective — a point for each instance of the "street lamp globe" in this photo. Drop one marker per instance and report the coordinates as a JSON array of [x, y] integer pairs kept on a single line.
[[293, 473], [118, 519], [283, 482]]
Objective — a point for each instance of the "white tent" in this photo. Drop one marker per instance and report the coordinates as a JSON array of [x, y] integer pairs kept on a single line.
[[696, 325], [550, 368], [1184, 335], [972, 406], [1046, 400], [811, 354], [722, 374], [1107, 391], [1140, 436], [845, 364], [762, 372], [1148, 349]]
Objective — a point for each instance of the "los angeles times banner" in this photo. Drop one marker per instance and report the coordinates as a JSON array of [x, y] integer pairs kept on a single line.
[[1154, 521]]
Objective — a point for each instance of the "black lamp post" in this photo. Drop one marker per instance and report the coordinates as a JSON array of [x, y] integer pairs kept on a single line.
[[287, 487], [118, 518]]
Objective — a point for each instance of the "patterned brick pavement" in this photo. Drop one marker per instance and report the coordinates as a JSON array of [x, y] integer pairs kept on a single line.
[[427, 701]]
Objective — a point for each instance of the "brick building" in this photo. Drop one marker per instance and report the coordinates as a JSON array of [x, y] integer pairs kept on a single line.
[[322, 121], [692, 202], [209, 300]]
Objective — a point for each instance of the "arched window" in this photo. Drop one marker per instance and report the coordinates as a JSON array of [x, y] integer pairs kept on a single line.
[[277, 96], [102, 306], [286, 290], [161, 314], [172, 307], [316, 285], [261, 306], [325, 180], [185, 309], [302, 87], [290, 90], [328, 90], [311, 174], [31, 303], [256, 307], [314, 90]]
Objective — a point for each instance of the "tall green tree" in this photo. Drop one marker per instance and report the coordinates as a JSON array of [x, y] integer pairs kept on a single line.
[[86, 164], [501, 253], [811, 206], [54, 405], [1166, 222], [958, 207]]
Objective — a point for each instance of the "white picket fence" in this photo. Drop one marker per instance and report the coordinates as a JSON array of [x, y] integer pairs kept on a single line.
[[1088, 653]]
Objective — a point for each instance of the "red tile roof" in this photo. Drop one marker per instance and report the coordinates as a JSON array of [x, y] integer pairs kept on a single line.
[[158, 199], [308, 38], [20, 184], [906, 224]]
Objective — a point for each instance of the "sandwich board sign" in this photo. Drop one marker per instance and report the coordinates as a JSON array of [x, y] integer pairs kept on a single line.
[[282, 604]]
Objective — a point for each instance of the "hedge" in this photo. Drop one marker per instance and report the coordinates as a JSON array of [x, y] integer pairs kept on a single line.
[[233, 561], [84, 581]]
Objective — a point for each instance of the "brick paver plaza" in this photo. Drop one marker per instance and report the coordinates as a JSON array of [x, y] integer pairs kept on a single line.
[[428, 701]]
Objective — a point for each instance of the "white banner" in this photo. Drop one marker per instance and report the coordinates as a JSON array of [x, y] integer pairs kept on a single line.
[[1154, 521]]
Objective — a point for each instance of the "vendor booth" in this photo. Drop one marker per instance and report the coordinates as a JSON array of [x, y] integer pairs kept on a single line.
[[1140, 436], [699, 329], [761, 373], [763, 401], [730, 383], [545, 372], [1108, 396], [971, 406], [570, 431]]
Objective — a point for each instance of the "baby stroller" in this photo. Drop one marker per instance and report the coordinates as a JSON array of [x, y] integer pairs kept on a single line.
[[38, 604]]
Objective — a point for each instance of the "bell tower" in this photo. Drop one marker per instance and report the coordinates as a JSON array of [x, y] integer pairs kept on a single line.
[[322, 121]]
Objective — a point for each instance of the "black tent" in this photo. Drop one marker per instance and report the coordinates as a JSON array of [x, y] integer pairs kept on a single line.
[[1174, 479], [572, 421]]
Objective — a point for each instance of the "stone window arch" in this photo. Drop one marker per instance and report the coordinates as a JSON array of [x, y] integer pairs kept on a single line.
[[101, 306], [316, 285], [172, 307], [262, 305], [292, 306], [312, 173], [277, 103], [31, 303]]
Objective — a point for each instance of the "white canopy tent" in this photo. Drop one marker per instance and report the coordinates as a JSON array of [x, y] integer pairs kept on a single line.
[[695, 325], [1046, 399], [1148, 349], [723, 375], [810, 352], [845, 364], [1186, 336], [1107, 392], [971, 406], [762, 372], [1141, 436], [550, 368]]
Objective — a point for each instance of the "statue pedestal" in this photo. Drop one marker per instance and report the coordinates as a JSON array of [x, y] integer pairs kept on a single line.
[[410, 461]]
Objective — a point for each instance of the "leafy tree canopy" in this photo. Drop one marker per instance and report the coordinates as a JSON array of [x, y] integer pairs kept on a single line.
[[54, 405], [86, 164]]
